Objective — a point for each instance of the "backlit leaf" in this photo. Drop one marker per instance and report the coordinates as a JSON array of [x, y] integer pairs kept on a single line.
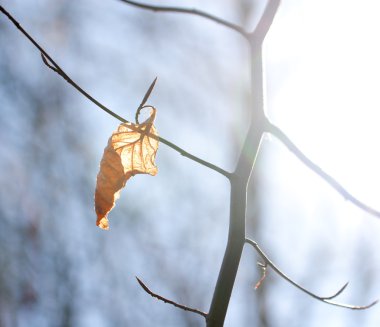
[[130, 151]]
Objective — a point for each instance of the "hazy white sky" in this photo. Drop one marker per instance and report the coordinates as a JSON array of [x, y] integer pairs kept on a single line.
[[323, 90], [327, 98]]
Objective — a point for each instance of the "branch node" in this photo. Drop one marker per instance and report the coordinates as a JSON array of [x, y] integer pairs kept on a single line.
[[340, 291], [46, 62]]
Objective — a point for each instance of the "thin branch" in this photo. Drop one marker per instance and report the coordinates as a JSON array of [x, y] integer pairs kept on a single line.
[[56, 68], [51, 64], [190, 11], [177, 305], [277, 132], [325, 299], [196, 159]]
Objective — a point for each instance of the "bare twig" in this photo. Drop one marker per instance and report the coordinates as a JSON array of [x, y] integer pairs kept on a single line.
[[177, 305], [190, 11], [146, 97], [277, 132], [196, 159], [325, 299], [49, 62], [55, 67], [264, 271]]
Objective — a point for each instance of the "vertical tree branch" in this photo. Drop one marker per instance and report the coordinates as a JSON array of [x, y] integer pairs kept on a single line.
[[240, 178], [239, 182], [228, 270]]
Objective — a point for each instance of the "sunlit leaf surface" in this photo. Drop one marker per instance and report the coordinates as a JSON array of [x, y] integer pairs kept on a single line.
[[130, 151]]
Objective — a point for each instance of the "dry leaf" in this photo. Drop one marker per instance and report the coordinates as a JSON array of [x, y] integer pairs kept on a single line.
[[130, 151]]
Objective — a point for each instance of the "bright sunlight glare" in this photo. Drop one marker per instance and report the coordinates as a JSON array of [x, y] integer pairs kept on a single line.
[[323, 80]]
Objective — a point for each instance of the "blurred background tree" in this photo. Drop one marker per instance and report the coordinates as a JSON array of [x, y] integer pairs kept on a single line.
[[58, 269]]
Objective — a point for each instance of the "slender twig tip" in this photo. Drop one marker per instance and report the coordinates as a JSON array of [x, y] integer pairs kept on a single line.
[[146, 289], [148, 92]]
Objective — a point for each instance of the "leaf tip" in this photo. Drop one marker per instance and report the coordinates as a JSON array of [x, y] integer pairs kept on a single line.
[[103, 223]]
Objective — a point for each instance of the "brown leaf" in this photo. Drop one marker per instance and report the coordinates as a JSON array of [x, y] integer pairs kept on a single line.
[[130, 151]]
